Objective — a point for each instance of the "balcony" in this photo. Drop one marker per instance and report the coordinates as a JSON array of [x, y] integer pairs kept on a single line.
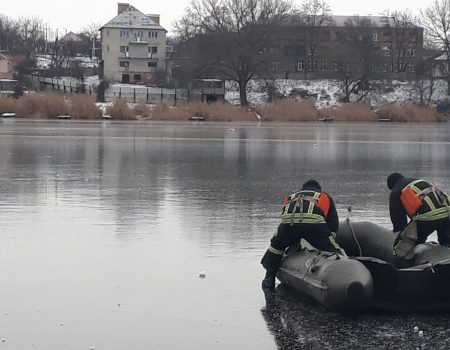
[[138, 41], [137, 56]]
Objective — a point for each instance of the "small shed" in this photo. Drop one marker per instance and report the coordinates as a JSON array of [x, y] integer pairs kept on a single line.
[[209, 90]]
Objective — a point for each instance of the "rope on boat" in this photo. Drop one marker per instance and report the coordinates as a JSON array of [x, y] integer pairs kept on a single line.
[[354, 236]]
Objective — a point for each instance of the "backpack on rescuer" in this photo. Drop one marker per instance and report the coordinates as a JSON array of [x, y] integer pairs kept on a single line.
[[411, 201], [318, 200], [412, 197]]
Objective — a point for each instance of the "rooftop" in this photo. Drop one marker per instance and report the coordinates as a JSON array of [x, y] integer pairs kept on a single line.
[[132, 18]]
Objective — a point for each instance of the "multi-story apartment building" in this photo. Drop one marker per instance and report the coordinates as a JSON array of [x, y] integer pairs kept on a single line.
[[133, 46], [376, 46]]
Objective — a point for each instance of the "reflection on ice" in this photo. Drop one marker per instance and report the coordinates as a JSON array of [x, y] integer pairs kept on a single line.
[[96, 213]]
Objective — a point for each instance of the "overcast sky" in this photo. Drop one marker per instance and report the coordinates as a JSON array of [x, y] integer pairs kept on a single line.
[[75, 14]]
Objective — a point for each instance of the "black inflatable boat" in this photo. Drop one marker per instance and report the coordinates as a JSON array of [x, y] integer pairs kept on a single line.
[[369, 278]]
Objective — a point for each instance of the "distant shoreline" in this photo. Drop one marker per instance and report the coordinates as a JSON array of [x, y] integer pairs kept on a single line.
[[58, 106]]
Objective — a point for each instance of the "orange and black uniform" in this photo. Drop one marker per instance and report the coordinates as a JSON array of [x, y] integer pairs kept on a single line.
[[313, 218], [421, 199]]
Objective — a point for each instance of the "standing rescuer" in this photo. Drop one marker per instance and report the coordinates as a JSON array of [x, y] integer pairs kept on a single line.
[[427, 207], [309, 214]]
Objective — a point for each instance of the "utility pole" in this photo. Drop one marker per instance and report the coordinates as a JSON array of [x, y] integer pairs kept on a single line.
[[46, 38], [93, 49]]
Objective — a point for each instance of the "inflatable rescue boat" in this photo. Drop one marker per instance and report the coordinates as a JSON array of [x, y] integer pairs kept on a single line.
[[368, 278]]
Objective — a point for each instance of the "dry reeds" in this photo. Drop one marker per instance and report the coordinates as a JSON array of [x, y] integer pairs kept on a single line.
[[83, 107], [141, 110], [349, 112], [120, 110], [165, 112], [288, 110], [41, 106], [7, 105], [218, 111], [48, 105], [408, 113]]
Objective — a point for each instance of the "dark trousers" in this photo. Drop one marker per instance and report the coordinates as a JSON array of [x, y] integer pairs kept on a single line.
[[426, 228], [318, 235]]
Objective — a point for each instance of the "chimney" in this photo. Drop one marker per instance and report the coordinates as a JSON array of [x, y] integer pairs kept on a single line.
[[154, 18], [122, 6]]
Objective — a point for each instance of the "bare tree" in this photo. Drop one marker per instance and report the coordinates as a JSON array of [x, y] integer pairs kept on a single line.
[[436, 21], [9, 33], [91, 30], [237, 32], [361, 58], [60, 56], [313, 15], [402, 39], [425, 83], [91, 40]]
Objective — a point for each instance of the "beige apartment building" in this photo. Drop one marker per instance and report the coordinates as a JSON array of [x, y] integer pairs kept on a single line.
[[133, 46]]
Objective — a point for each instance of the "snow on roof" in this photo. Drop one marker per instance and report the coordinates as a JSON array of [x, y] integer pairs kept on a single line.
[[134, 19]]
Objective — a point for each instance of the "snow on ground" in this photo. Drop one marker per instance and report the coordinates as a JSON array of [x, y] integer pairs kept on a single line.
[[328, 92], [92, 80], [44, 61]]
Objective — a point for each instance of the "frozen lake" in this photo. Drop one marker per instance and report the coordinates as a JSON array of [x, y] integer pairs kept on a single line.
[[106, 228]]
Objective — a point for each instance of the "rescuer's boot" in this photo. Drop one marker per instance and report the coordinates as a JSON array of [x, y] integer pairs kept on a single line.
[[269, 282]]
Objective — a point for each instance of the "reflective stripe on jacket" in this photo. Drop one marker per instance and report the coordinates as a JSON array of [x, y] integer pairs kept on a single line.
[[306, 206], [423, 198]]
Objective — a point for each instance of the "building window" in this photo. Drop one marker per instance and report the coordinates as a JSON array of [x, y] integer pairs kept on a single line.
[[375, 36], [411, 67], [275, 50], [401, 52], [311, 66], [153, 49], [124, 49], [124, 63], [387, 52], [323, 66], [124, 33], [138, 34], [152, 34], [336, 66], [137, 78], [375, 67], [400, 67], [275, 65], [151, 64], [301, 66], [412, 52]]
